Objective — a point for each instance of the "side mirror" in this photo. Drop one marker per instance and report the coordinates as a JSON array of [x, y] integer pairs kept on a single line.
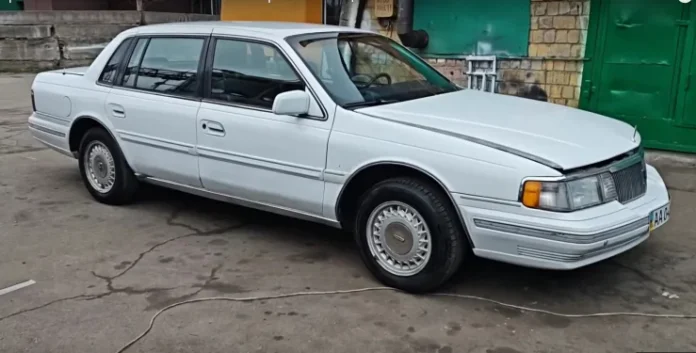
[[291, 103]]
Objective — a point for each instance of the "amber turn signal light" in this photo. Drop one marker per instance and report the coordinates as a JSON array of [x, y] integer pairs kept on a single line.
[[531, 194]]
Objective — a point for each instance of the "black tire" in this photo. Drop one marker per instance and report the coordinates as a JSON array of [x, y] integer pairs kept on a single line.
[[449, 242], [125, 183]]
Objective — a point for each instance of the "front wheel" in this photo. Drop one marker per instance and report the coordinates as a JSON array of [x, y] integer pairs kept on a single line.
[[409, 235], [104, 170]]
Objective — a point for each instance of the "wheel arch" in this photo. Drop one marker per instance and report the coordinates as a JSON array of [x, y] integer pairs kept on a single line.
[[374, 171], [81, 125]]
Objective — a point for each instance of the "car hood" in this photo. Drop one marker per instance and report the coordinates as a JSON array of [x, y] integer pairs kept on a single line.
[[558, 136]]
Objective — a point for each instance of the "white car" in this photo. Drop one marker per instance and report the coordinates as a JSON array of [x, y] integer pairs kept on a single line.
[[349, 128]]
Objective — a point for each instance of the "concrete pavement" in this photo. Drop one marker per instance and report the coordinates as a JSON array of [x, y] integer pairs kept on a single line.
[[101, 273]]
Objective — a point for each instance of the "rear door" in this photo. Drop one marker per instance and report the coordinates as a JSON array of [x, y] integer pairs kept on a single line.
[[154, 106]]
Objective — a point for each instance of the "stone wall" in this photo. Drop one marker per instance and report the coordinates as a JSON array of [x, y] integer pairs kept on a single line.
[[553, 69], [43, 40], [181, 6]]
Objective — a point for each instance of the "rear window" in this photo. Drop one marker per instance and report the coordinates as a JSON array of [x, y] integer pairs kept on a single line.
[[170, 65], [111, 69]]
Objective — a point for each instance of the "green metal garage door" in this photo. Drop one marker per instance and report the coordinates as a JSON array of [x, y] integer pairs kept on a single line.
[[10, 5], [640, 56]]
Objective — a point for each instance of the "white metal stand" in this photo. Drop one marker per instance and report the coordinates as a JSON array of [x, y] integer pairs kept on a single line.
[[482, 72]]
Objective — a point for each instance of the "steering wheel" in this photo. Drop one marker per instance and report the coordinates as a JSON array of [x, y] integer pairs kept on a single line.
[[372, 80]]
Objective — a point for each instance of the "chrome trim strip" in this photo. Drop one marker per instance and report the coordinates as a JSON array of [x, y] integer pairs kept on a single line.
[[54, 147], [260, 159], [566, 257], [195, 98], [489, 199], [46, 130], [156, 142], [243, 202], [58, 120], [475, 140], [335, 172], [561, 236], [155, 145], [238, 105], [251, 161]]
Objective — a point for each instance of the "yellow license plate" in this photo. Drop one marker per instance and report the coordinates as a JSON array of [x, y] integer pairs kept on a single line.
[[659, 217]]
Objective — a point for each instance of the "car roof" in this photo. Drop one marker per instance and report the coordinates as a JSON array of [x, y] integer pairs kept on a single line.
[[263, 29]]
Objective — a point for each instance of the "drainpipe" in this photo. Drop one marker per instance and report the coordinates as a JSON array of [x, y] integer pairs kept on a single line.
[[361, 12], [349, 13], [404, 27]]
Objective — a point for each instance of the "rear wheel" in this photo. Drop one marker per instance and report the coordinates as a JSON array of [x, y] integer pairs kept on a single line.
[[104, 170], [409, 234]]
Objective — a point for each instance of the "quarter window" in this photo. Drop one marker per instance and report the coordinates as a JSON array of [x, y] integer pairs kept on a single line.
[[250, 73], [170, 65], [111, 69], [134, 63]]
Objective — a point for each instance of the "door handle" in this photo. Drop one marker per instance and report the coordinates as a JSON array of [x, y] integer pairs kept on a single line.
[[213, 128], [117, 110]]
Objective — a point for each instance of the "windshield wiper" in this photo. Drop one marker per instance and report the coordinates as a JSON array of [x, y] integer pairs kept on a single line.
[[365, 104]]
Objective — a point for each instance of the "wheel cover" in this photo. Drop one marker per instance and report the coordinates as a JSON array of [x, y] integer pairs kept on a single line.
[[100, 167], [398, 238]]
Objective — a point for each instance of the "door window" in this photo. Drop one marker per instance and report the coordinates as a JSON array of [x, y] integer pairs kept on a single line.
[[170, 65], [111, 68], [250, 73]]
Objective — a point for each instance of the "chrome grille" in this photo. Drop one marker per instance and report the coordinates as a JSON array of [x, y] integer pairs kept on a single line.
[[630, 182]]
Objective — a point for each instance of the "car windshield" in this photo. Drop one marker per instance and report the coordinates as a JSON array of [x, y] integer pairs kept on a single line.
[[360, 70]]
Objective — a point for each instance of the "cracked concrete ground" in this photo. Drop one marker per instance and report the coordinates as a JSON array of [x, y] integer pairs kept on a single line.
[[102, 272]]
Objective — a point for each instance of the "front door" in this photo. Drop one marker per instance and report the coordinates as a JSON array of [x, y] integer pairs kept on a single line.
[[634, 68], [154, 108], [244, 149]]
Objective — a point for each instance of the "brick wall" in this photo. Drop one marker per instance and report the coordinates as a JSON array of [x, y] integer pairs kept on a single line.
[[553, 69], [557, 45], [454, 69]]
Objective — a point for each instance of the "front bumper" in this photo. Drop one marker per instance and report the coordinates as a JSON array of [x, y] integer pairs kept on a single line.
[[509, 232]]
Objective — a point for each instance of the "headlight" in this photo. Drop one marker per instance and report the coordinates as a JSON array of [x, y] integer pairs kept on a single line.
[[565, 196]]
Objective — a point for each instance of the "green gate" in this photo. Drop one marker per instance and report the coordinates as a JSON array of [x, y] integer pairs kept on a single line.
[[10, 5], [639, 62]]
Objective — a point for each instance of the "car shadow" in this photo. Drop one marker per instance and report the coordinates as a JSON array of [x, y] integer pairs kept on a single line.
[[610, 285]]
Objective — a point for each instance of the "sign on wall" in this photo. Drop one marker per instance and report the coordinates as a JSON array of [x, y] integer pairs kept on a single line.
[[384, 8]]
